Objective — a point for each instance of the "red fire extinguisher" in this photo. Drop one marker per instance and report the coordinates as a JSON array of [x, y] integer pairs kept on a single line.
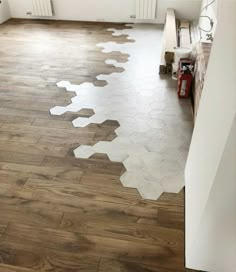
[[185, 77]]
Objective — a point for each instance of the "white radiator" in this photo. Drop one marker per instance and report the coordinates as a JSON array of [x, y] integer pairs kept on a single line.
[[42, 8], [146, 9]]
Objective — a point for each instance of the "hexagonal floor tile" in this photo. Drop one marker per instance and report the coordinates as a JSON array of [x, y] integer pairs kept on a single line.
[[173, 183], [147, 186], [84, 152], [58, 110], [156, 123], [63, 84]]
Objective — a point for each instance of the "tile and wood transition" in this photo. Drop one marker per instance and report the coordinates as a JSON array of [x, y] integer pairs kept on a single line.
[[59, 213]]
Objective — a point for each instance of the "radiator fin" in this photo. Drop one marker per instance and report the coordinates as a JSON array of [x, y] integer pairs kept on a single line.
[[146, 9], [42, 8]]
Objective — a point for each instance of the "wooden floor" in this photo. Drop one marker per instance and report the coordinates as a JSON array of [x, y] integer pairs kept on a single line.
[[58, 213]]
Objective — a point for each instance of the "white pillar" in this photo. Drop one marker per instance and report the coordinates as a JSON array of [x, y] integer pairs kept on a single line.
[[211, 167]]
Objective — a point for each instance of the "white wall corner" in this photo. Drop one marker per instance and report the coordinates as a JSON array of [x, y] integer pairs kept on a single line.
[[4, 11]]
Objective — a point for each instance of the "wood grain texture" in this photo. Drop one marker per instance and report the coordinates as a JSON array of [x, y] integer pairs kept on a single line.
[[10, 268], [112, 265], [58, 213]]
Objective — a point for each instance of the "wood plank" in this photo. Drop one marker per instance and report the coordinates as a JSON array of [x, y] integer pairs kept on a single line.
[[112, 265], [127, 231], [94, 245], [101, 179], [16, 119], [60, 124], [184, 34], [91, 165], [169, 42], [30, 216], [85, 210], [121, 195], [23, 171], [18, 137], [31, 258], [24, 113], [18, 157], [11, 268], [170, 36], [34, 149], [171, 218], [3, 227], [43, 131], [100, 205]]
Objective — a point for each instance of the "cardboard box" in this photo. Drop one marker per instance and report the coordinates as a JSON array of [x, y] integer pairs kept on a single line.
[[169, 57], [162, 69]]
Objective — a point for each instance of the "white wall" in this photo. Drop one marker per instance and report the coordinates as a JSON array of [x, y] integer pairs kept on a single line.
[[107, 10], [210, 174], [212, 12], [185, 9], [4, 11], [216, 240]]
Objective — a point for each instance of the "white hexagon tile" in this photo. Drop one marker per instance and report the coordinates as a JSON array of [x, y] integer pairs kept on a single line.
[[155, 127]]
